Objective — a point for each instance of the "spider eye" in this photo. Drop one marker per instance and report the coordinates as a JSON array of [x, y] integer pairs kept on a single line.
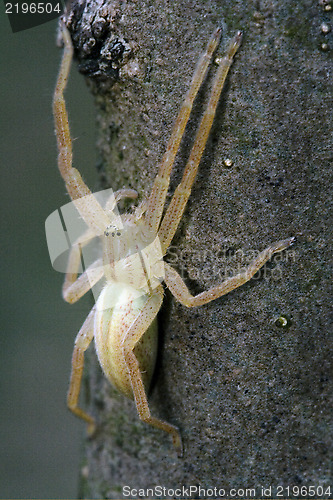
[[115, 231]]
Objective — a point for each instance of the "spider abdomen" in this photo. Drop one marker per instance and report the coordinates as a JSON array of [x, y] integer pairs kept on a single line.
[[118, 306]]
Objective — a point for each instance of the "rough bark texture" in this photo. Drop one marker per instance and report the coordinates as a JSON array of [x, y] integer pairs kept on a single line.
[[245, 378]]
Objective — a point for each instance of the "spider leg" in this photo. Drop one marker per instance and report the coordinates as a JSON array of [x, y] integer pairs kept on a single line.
[[74, 259], [118, 195], [74, 288], [136, 331], [88, 206], [158, 194], [178, 202], [82, 341], [73, 291], [180, 291]]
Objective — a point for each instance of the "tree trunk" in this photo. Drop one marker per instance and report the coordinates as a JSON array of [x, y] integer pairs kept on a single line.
[[245, 378]]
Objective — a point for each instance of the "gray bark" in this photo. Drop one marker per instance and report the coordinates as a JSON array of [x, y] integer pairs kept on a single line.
[[246, 378]]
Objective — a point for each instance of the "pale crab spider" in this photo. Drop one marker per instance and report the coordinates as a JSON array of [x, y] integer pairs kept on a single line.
[[126, 333]]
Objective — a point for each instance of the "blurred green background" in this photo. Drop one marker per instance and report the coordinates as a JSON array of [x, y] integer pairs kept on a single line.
[[40, 439]]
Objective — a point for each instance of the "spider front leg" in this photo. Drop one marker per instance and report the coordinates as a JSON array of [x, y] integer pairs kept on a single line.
[[133, 336], [178, 202], [156, 200], [82, 341], [89, 208], [180, 291]]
